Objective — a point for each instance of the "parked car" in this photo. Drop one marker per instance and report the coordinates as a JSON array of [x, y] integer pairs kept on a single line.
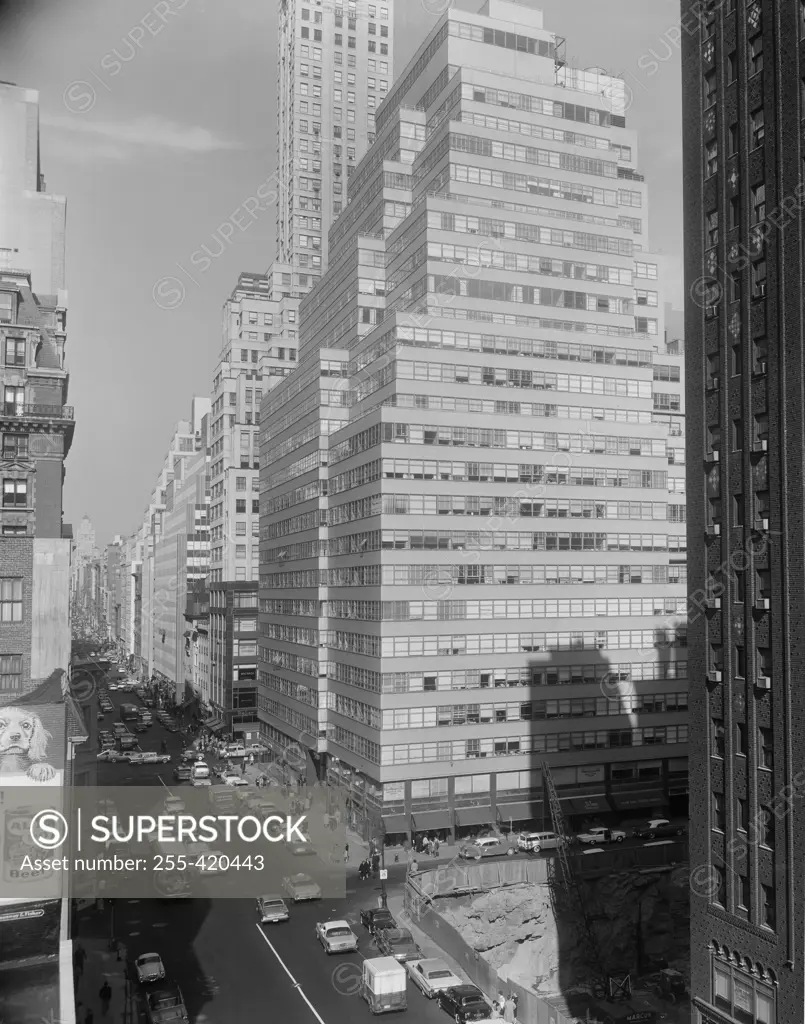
[[272, 909], [258, 749], [301, 887], [655, 828], [149, 968], [533, 842], [165, 1005], [431, 976], [336, 937], [464, 1003], [600, 834], [399, 943], [376, 919], [487, 846]]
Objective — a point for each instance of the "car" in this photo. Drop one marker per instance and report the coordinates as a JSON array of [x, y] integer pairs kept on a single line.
[[375, 919], [165, 1005], [201, 782], [174, 804], [431, 976], [336, 937], [464, 1003], [235, 779], [272, 910], [171, 727], [140, 727], [399, 943], [600, 834], [120, 728], [258, 749], [658, 827], [181, 773], [188, 756], [487, 846], [533, 842], [301, 887], [110, 754], [200, 770], [300, 849], [235, 750], [151, 757], [149, 968]]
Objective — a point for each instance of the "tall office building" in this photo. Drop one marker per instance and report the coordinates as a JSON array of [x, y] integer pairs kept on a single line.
[[259, 349], [479, 360], [744, 194], [334, 67]]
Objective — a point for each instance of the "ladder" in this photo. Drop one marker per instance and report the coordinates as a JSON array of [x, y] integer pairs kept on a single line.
[[570, 884]]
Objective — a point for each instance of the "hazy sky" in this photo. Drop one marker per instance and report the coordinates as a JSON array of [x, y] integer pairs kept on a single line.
[[156, 139]]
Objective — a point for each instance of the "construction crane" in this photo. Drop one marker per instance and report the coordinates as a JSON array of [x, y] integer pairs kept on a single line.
[[603, 982]]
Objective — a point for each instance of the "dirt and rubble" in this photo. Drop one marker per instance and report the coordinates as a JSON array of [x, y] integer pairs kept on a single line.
[[515, 929]]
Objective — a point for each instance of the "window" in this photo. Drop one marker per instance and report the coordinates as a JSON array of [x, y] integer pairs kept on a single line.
[[742, 892], [256, 507], [15, 446], [741, 740], [732, 139], [737, 360], [15, 352], [744, 998], [339, 39], [758, 127], [758, 212], [732, 67], [15, 493], [755, 55], [711, 158], [709, 89], [720, 887], [735, 286], [768, 915], [240, 506], [10, 672], [734, 212], [737, 435], [765, 748], [719, 814], [759, 279], [742, 813], [712, 228], [717, 737], [765, 822], [10, 600]]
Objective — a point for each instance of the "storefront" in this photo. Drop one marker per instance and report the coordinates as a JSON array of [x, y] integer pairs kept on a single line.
[[29, 932]]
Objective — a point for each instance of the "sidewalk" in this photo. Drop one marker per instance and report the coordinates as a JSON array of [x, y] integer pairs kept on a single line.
[[101, 965]]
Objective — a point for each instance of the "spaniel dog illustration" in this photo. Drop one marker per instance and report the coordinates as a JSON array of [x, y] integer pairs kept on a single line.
[[23, 745]]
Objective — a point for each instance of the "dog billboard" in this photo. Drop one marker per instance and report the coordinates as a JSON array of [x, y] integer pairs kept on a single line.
[[32, 744]]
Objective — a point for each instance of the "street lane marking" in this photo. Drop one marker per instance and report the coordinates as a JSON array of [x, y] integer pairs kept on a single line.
[[294, 982]]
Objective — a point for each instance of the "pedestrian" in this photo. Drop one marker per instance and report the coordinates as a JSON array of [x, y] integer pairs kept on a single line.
[[105, 994], [414, 866], [509, 1011], [79, 956], [164, 746], [346, 853], [375, 863], [436, 845]]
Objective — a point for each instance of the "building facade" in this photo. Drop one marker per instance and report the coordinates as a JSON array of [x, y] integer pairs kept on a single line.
[[334, 68], [400, 560], [743, 105]]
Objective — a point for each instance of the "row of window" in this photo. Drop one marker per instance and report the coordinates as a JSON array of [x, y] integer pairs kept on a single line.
[[417, 753], [493, 407], [504, 291]]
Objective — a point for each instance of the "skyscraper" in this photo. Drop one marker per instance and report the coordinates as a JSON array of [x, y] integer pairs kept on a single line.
[[744, 103], [467, 463], [334, 67]]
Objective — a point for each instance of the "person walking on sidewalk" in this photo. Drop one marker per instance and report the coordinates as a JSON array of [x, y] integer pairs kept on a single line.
[[510, 1011], [79, 957], [346, 853], [105, 995]]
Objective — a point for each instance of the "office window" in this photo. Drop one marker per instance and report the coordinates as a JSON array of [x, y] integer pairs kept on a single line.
[[719, 814], [240, 551], [305, 32], [737, 435], [744, 998], [15, 493], [15, 352], [10, 672], [732, 67], [10, 600], [256, 506], [732, 139], [351, 42], [765, 747], [768, 912], [240, 483], [757, 127], [717, 736], [756, 55], [742, 813], [372, 46], [710, 87], [317, 35], [339, 39], [712, 228], [765, 823], [240, 528], [758, 209], [15, 446], [742, 892], [741, 741], [720, 886], [384, 48], [240, 506], [711, 159], [372, 29], [255, 355], [759, 279]]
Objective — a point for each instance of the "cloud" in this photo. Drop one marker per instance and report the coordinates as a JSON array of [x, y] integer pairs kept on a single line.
[[119, 140]]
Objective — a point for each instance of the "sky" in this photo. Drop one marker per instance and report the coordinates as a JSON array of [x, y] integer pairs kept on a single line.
[[158, 129]]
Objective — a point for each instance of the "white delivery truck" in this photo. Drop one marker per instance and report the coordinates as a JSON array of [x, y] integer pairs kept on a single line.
[[383, 984]]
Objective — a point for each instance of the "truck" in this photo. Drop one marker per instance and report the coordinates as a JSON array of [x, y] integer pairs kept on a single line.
[[383, 984]]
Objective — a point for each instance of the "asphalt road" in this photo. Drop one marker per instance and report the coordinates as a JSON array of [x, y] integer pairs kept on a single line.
[[231, 969]]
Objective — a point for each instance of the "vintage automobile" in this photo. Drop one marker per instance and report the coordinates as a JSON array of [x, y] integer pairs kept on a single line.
[[336, 937], [431, 976], [272, 909], [301, 887]]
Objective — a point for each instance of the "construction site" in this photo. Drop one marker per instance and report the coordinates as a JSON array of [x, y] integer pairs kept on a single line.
[[577, 937]]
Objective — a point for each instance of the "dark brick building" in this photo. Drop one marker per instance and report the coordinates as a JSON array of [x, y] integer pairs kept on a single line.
[[744, 101]]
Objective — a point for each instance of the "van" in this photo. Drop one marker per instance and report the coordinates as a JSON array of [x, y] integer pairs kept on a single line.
[[533, 842]]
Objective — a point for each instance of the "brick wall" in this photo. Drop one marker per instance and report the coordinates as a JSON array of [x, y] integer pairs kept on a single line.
[[16, 560]]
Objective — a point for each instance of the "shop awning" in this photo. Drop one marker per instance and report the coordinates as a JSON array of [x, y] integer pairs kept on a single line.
[[425, 820], [395, 823], [586, 803], [475, 816], [629, 798], [524, 811]]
